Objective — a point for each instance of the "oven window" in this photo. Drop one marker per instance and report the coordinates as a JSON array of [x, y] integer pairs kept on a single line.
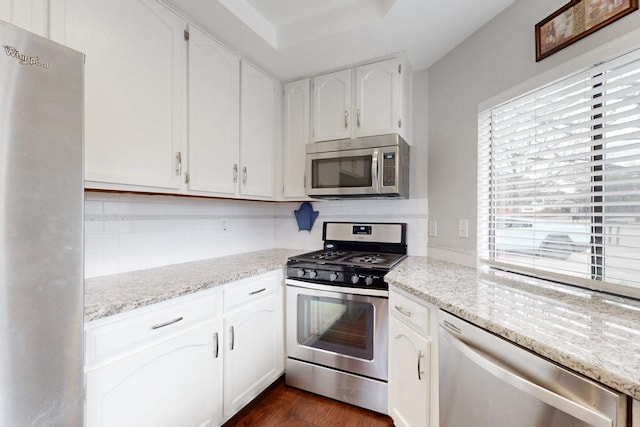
[[342, 172], [337, 325]]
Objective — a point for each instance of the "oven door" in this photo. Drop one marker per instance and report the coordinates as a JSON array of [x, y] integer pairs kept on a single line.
[[349, 172], [331, 327]]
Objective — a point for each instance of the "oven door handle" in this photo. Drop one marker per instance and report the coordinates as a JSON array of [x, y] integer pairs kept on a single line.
[[338, 289]]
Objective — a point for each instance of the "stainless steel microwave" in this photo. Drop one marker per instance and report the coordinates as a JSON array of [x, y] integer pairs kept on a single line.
[[374, 166]]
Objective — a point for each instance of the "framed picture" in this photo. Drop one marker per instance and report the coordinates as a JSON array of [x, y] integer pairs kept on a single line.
[[576, 20]]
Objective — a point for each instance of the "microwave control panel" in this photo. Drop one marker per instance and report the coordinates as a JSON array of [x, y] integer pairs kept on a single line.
[[388, 169]]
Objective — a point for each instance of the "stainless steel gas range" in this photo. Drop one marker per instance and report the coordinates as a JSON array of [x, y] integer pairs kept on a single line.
[[337, 313]]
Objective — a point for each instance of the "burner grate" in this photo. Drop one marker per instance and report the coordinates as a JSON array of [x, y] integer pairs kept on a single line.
[[368, 259], [329, 255]]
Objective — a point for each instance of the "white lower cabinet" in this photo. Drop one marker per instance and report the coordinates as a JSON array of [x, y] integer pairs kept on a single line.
[[413, 366], [191, 362], [156, 366], [254, 342], [171, 383]]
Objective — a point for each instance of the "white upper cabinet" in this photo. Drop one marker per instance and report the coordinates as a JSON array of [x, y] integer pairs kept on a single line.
[[296, 136], [32, 15], [332, 106], [231, 123], [257, 133], [377, 99], [214, 116], [373, 99], [135, 91]]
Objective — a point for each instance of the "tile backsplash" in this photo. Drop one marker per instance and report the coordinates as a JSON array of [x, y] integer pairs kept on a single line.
[[126, 232]]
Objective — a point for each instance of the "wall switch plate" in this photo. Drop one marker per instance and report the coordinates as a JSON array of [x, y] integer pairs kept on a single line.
[[433, 228], [463, 228]]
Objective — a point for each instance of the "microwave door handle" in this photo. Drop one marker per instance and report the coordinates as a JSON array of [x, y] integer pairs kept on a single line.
[[374, 172]]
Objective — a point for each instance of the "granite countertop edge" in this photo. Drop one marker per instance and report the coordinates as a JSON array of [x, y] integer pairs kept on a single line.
[[118, 293], [462, 291]]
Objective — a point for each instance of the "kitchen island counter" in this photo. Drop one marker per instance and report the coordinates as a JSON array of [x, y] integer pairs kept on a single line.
[[593, 333], [117, 293]]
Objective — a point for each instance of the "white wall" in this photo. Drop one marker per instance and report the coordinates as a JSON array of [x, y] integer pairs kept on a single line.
[[497, 58], [126, 232], [411, 211]]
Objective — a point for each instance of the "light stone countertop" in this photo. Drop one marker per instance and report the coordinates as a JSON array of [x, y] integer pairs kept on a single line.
[[595, 334], [113, 294]]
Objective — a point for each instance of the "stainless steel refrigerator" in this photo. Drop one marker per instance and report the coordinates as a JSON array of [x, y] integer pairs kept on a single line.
[[41, 231]]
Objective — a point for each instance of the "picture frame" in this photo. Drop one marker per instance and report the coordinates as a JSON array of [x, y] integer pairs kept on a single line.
[[576, 20]]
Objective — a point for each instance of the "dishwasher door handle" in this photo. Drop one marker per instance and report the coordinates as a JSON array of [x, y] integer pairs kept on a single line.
[[507, 375]]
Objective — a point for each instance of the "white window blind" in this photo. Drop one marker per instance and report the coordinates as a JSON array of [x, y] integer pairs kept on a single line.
[[559, 180]]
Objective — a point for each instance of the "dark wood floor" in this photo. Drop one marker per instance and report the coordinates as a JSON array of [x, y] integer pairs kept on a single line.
[[284, 406]]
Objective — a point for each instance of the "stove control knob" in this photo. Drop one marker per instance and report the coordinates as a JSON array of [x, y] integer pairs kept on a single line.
[[368, 281], [301, 272], [355, 279], [333, 276], [312, 274]]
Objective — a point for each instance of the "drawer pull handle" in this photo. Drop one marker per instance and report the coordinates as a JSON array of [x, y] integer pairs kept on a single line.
[[170, 322], [403, 311], [258, 291], [420, 371]]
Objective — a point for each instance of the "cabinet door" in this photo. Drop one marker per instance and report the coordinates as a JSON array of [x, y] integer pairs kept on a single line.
[[254, 351], [214, 115], [332, 106], [296, 136], [409, 376], [32, 15], [172, 383], [257, 132], [377, 98], [135, 88]]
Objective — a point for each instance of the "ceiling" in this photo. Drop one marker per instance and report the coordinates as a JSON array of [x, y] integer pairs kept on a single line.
[[297, 38]]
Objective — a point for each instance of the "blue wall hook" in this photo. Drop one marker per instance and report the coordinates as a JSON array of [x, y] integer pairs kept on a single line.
[[306, 216]]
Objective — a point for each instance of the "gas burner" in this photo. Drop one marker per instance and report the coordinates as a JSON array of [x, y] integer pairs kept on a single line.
[[355, 255], [368, 259], [329, 255]]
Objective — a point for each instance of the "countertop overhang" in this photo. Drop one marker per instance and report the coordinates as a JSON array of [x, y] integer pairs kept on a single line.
[[592, 333]]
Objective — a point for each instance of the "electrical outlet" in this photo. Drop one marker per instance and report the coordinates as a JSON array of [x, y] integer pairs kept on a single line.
[[433, 228], [463, 228]]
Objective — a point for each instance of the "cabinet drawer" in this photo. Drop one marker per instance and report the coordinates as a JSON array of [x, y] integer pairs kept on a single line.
[[410, 312], [139, 327], [245, 291]]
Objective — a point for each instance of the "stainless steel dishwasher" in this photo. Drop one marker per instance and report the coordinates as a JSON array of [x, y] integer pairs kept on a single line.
[[486, 381]]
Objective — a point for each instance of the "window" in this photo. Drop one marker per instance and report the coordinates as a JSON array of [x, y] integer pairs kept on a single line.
[[559, 180]]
